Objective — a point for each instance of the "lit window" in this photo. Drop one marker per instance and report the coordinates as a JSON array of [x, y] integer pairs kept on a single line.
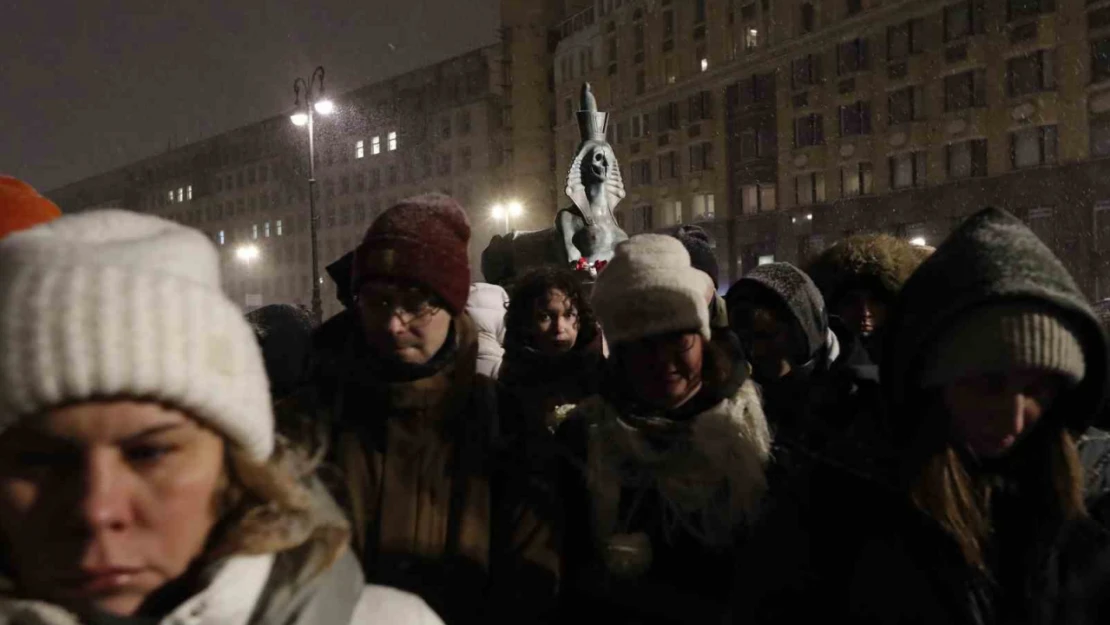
[[267, 230], [376, 145], [189, 192], [171, 195], [279, 230], [392, 137], [220, 237], [255, 231], [751, 42], [766, 259], [180, 194], [704, 64], [360, 149]]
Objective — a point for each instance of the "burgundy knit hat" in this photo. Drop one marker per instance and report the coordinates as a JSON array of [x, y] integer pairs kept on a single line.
[[424, 240]]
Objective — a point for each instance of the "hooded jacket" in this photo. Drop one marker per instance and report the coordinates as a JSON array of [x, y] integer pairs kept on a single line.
[[318, 581], [881, 559]]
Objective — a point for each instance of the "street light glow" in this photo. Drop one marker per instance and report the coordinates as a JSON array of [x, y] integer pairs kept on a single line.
[[918, 241], [515, 209], [497, 212], [325, 107], [299, 119], [247, 253]]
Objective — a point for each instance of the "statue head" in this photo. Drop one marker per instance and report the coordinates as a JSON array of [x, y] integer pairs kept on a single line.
[[594, 180]]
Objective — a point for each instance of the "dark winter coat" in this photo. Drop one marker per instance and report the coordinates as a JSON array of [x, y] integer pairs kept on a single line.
[[284, 333], [846, 544], [683, 486], [436, 507], [533, 385]]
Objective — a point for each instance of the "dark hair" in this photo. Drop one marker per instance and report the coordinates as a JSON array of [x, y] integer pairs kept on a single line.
[[533, 285]]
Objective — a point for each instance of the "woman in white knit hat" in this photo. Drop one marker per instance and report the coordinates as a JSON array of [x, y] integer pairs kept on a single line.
[[140, 479], [668, 461]]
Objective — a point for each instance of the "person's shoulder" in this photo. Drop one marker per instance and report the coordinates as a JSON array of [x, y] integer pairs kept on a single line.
[[382, 604]]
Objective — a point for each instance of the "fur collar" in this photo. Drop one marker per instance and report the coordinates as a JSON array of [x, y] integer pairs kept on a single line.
[[709, 474]]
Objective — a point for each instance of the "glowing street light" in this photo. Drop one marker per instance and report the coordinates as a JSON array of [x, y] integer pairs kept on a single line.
[[918, 241], [299, 118], [497, 212], [248, 253], [506, 212], [324, 107]]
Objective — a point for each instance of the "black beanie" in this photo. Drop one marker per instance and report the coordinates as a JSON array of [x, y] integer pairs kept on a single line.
[[284, 333], [696, 241]]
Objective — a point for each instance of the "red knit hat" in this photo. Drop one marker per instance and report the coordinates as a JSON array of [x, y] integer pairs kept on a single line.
[[424, 240], [21, 207]]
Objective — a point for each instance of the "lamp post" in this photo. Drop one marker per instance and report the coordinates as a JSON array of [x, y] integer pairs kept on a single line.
[[507, 212], [314, 102]]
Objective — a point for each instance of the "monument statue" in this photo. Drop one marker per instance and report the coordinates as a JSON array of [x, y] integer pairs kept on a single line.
[[586, 233]]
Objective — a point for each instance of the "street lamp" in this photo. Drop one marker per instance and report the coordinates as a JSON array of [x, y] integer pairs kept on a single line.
[[314, 102], [507, 212], [248, 254]]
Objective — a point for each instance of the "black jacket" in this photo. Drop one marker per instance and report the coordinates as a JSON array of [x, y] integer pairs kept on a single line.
[[845, 543]]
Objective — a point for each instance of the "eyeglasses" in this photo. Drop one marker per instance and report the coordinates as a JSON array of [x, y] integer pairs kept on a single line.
[[413, 307]]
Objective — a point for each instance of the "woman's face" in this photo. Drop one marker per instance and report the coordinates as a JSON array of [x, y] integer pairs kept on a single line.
[[990, 413], [102, 503], [768, 340], [862, 311], [664, 371], [554, 323]]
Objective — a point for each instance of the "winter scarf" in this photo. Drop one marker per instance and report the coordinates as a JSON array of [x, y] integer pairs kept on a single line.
[[708, 470]]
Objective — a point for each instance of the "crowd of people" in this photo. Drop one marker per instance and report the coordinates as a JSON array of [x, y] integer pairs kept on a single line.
[[889, 434]]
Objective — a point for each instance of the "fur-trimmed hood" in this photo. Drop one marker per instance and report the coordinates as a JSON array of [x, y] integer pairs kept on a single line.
[[876, 261], [710, 476]]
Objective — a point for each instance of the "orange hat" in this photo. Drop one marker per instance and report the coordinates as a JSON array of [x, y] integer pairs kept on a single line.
[[22, 207]]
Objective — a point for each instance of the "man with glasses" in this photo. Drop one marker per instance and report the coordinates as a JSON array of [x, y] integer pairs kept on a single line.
[[412, 426]]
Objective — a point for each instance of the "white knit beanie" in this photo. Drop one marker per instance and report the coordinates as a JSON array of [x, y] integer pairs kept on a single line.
[[111, 303], [649, 288]]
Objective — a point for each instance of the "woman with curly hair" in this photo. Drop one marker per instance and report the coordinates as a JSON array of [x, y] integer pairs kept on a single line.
[[553, 350], [140, 477]]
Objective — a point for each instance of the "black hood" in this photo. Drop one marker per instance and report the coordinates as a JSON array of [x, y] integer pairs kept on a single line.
[[992, 257], [792, 290], [340, 273]]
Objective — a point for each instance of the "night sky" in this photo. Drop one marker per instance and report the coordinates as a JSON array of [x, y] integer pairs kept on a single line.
[[92, 85]]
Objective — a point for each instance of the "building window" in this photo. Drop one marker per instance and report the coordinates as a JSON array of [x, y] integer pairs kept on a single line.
[[1099, 18], [701, 156], [466, 159], [809, 130], [638, 42], [668, 165], [701, 106], [375, 146], [280, 232], [809, 188], [647, 221], [806, 71], [641, 125], [751, 38], [1100, 60], [254, 232], [855, 119], [345, 185], [1033, 146], [699, 11], [220, 238], [703, 207], [857, 180], [266, 230], [612, 55], [907, 170], [1018, 9], [965, 90], [641, 82], [808, 18], [747, 12], [765, 259], [445, 127], [641, 172], [189, 193], [443, 166], [966, 159], [963, 19], [903, 40], [360, 148], [676, 211], [668, 28], [1100, 134], [392, 138], [851, 56], [464, 122], [180, 195], [853, 7], [1030, 73], [905, 105]]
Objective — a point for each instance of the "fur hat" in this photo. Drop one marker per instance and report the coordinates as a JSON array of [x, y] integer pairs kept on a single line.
[[878, 262], [21, 207], [1005, 336], [116, 304], [424, 240], [650, 288]]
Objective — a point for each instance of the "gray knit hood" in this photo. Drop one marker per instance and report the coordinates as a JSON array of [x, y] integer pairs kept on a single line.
[[991, 258], [794, 290]]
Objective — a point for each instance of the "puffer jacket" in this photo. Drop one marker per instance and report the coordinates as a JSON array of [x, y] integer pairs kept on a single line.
[[657, 505], [879, 558], [318, 582], [486, 306]]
